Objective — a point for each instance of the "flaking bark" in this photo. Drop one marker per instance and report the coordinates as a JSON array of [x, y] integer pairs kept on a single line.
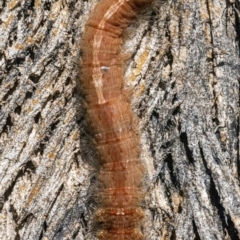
[[184, 71]]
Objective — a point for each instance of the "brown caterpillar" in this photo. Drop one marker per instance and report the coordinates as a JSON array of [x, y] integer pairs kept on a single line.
[[113, 124]]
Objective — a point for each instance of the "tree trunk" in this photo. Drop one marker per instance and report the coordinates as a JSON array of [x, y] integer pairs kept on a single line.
[[184, 70]]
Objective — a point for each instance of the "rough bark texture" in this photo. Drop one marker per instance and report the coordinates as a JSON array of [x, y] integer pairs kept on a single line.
[[185, 74]]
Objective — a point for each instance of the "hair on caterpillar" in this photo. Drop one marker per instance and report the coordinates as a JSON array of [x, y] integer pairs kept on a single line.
[[119, 187], [99, 219]]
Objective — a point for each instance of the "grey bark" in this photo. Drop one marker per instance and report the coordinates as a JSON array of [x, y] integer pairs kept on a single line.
[[184, 71]]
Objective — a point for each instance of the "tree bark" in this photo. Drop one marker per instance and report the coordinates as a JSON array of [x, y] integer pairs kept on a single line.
[[184, 72]]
